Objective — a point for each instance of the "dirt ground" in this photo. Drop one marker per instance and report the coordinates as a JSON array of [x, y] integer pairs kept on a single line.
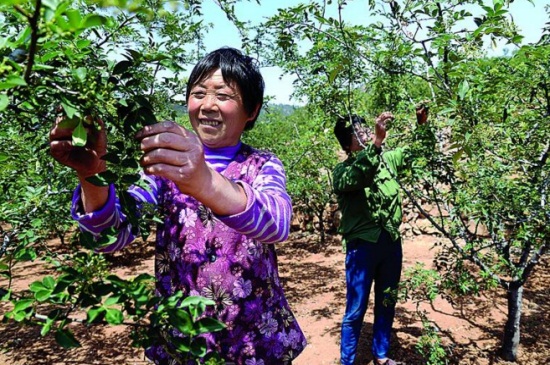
[[313, 276]]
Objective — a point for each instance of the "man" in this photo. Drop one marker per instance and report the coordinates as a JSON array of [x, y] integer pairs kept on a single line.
[[369, 198]]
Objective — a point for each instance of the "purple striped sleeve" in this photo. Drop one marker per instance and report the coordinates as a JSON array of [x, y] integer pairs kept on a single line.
[[268, 208], [111, 215]]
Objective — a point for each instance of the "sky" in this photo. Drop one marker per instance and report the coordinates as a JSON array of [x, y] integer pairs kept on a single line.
[[529, 18]]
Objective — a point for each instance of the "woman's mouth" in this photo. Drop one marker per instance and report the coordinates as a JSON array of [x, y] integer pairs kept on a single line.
[[210, 122]]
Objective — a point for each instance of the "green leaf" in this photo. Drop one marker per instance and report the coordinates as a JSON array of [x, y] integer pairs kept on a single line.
[[4, 102], [182, 344], [207, 324], [517, 39], [89, 300], [80, 74], [143, 101], [50, 55], [112, 300], [117, 280], [46, 327], [198, 347], [63, 282], [83, 43], [111, 157], [49, 282], [66, 339], [70, 109], [86, 238], [133, 54], [195, 300], [74, 18], [79, 135], [50, 4], [457, 155], [36, 286], [22, 304], [12, 81], [181, 320], [93, 314], [27, 254], [93, 20], [106, 239], [122, 67], [114, 316], [6, 296], [3, 157], [463, 88], [102, 179], [18, 316], [42, 295]]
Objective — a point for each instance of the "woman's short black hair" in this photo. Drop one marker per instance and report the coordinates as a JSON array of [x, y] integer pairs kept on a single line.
[[236, 68], [344, 132]]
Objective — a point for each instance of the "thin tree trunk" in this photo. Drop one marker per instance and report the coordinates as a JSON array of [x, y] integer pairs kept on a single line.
[[322, 226], [510, 341]]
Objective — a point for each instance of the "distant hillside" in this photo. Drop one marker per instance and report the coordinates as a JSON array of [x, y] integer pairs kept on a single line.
[[284, 109]]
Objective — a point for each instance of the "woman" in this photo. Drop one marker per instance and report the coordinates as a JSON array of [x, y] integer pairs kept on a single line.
[[223, 203]]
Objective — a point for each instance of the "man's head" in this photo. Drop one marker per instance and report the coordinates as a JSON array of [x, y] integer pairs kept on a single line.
[[352, 136]]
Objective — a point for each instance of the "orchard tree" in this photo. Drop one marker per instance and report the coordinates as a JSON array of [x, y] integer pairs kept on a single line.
[[490, 115]]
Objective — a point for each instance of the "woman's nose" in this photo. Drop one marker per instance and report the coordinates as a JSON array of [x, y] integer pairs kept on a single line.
[[210, 101]]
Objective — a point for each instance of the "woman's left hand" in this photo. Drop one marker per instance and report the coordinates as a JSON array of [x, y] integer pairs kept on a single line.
[[176, 153]]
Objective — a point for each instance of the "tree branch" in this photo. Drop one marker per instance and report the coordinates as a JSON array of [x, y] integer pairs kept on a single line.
[[33, 22], [122, 25]]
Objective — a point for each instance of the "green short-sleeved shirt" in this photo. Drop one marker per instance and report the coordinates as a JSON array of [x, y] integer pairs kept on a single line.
[[368, 195]]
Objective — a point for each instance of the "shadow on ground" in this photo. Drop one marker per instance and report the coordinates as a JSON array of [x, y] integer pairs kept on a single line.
[[308, 269], [305, 278], [101, 345]]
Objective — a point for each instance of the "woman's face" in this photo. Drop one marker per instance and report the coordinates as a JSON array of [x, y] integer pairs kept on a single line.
[[216, 111]]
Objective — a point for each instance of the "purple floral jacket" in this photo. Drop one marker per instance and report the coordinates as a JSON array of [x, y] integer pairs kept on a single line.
[[199, 254]]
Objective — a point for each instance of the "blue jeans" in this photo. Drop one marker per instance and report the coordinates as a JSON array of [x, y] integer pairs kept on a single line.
[[367, 262]]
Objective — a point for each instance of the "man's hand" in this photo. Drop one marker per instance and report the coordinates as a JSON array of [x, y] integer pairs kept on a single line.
[[422, 110], [380, 127]]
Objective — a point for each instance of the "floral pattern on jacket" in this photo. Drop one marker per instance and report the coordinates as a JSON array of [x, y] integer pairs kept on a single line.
[[199, 255]]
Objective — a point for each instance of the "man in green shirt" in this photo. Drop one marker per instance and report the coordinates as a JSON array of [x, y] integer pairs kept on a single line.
[[369, 198]]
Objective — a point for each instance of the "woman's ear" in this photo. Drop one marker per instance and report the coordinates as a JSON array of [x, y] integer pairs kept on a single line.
[[255, 113]]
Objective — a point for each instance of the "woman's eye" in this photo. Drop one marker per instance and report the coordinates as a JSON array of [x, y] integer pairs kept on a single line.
[[223, 97], [198, 94]]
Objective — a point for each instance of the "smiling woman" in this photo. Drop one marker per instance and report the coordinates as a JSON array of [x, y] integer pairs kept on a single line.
[[224, 205], [216, 111]]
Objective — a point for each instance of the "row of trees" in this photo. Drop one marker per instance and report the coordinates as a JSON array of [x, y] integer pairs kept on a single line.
[[109, 59], [490, 115]]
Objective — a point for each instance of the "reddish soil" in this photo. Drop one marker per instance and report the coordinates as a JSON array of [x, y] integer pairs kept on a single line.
[[313, 275]]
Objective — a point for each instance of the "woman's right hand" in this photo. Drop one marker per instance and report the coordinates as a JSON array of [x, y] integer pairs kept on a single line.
[[86, 160]]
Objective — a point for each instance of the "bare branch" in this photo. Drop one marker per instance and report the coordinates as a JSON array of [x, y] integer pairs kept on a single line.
[[33, 22], [122, 25]]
